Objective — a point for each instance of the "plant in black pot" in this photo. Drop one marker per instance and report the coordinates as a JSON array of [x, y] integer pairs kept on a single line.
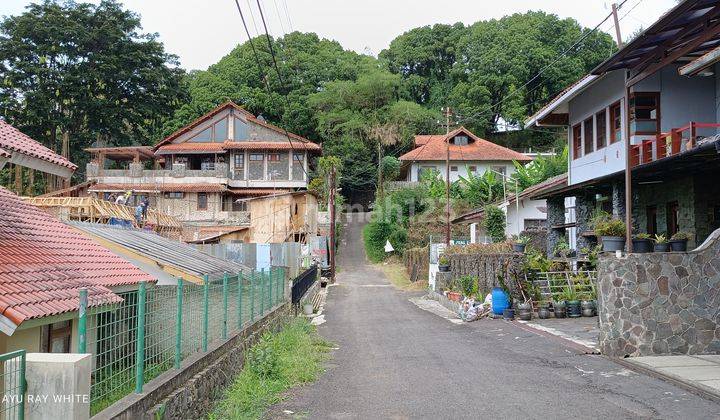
[[661, 243], [570, 296], [444, 263], [559, 306], [520, 242], [678, 242], [642, 243], [612, 234]]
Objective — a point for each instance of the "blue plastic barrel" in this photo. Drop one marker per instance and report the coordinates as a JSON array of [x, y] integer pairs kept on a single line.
[[500, 300]]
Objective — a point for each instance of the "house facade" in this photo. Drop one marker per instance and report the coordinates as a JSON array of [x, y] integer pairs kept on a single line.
[[201, 173], [655, 106], [469, 154]]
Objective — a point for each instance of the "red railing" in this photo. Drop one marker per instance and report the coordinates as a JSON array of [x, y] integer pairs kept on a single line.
[[667, 144]]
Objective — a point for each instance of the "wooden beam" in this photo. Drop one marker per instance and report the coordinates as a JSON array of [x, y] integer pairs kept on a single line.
[[696, 66], [704, 37]]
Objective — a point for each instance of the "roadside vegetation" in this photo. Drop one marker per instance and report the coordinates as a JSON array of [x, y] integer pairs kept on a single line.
[[395, 271], [275, 364]]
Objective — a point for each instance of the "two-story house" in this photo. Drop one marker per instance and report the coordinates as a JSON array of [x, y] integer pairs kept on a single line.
[[654, 107], [203, 172], [469, 154]]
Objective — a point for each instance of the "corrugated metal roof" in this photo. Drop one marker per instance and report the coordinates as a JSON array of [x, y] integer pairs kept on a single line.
[[168, 252]]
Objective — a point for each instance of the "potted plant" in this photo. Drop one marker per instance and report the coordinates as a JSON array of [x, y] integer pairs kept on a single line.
[[678, 242], [524, 311], [612, 234], [562, 249], [570, 296], [520, 242], [642, 243], [444, 264], [661, 243], [544, 311]]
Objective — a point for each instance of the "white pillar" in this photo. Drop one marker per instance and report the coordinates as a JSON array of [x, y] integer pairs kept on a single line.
[[473, 233], [58, 386]]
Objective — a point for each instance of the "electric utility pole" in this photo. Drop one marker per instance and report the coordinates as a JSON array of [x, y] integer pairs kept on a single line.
[[617, 25], [331, 209], [447, 176]]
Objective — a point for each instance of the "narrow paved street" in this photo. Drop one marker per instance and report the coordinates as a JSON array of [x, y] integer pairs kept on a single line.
[[395, 360]]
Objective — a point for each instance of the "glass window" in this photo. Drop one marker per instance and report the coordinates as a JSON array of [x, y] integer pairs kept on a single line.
[[57, 337], [588, 135], [203, 136], [645, 113], [174, 195], [426, 169], [207, 163], [202, 201], [576, 141], [278, 167], [240, 131], [615, 123], [453, 168], [298, 166], [601, 127], [499, 169], [460, 140], [221, 130], [255, 166], [239, 167], [472, 169]]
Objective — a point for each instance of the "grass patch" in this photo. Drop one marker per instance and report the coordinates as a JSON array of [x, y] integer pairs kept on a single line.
[[395, 271], [275, 364]]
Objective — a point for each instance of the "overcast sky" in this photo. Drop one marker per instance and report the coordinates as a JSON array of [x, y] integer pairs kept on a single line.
[[201, 32]]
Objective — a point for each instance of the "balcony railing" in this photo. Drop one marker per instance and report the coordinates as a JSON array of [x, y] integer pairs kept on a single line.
[[667, 144]]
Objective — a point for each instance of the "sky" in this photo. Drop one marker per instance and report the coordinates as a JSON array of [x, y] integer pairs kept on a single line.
[[202, 32]]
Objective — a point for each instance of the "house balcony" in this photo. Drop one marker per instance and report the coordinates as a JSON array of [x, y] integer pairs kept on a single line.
[[677, 141]]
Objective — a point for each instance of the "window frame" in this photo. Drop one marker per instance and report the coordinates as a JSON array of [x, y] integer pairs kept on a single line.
[[591, 142], [174, 195], [604, 144], [633, 107], [199, 206], [576, 138], [613, 117], [50, 334]]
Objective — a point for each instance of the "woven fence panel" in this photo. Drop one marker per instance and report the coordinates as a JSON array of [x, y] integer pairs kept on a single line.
[[487, 267], [417, 261]]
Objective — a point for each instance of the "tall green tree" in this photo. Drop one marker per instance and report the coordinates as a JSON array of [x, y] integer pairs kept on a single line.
[[76, 73]]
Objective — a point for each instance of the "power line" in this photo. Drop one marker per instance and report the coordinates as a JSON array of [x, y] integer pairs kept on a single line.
[[287, 14], [277, 10], [262, 73], [252, 17]]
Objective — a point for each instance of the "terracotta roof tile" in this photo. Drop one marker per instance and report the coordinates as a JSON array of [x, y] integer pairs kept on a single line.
[[44, 263], [434, 147], [170, 187], [13, 140], [4, 153], [257, 192], [235, 145]]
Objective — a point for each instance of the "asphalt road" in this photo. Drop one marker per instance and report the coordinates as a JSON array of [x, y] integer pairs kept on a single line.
[[397, 361]]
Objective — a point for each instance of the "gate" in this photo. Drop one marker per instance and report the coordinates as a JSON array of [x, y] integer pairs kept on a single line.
[[13, 385]]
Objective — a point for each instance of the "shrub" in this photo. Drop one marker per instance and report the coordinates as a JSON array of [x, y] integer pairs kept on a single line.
[[681, 236], [375, 234], [467, 285], [612, 227], [495, 223]]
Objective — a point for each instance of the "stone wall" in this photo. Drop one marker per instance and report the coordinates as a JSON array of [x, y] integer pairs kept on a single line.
[[555, 216], [189, 392], [659, 195], [661, 303], [487, 267]]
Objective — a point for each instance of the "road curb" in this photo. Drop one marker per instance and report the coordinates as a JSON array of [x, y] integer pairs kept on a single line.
[[577, 347], [697, 389]]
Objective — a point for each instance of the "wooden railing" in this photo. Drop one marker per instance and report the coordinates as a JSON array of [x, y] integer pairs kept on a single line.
[[667, 144]]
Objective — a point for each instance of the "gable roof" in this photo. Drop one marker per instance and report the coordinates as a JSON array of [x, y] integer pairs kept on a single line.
[[13, 141], [44, 263], [215, 147], [229, 104], [434, 147]]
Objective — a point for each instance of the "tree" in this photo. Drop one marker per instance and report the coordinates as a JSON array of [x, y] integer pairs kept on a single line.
[[540, 169], [495, 223], [76, 73]]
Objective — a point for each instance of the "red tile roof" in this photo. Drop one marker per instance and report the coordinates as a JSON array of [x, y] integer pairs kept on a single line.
[[434, 147], [44, 263], [221, 107], [13, 140], [257, 192], [170, 187], [4, 153], [235, 145]]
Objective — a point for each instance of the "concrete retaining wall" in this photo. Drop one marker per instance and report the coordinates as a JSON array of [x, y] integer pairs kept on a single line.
[[189, 392], [661, 303]]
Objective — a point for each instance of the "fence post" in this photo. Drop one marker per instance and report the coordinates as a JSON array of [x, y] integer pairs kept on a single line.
[[82, 321], [281, 284], [270, 287], [140, 344], [252, 295], [262, 292], [206, 298], [225, 306], [239, 301], [178, 324], [23, 386]]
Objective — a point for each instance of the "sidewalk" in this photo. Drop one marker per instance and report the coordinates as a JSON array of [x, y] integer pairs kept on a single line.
[[582, 331], [701, 373]]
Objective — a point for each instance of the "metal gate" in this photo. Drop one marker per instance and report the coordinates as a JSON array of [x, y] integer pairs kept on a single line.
[[13, 385]]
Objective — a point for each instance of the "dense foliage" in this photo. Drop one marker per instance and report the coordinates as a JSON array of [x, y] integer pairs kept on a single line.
[[73, 74], [495, 223]]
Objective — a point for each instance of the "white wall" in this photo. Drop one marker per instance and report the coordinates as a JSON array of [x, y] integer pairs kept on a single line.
[[462, 168], [529, 209]]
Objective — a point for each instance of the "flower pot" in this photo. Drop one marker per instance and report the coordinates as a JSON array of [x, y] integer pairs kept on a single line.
[[612, 243], [518, 247], [454, 296], [559, 309], [588, 308], [574, 310], [678, 245], [642, 246], [543, 313], [662, 247], [444, 268], [525, 315], [509, 314]]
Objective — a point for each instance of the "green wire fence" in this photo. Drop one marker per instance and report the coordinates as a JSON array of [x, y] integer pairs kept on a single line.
[[155, 328], [12, 386]]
